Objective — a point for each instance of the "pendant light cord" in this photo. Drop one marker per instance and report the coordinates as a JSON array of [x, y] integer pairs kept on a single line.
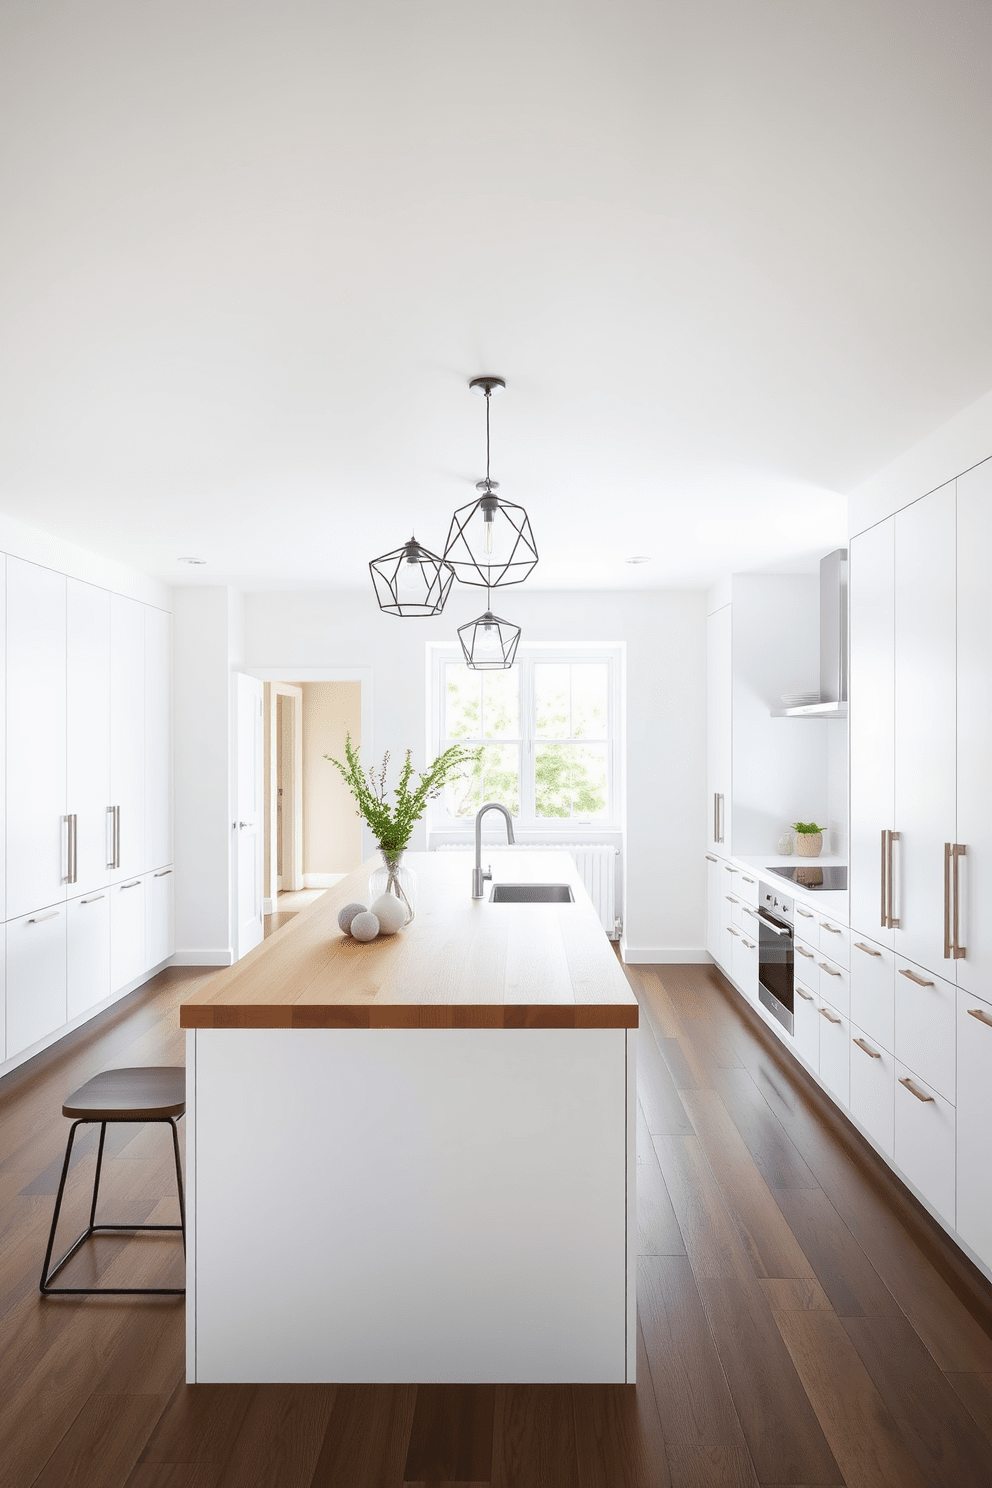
[[488, 401]]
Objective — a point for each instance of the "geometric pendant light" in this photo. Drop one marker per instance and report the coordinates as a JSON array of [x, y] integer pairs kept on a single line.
[[489, 644], [490, 542], [411, 581]]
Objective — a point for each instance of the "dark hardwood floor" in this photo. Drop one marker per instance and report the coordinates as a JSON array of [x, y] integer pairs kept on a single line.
[[800, 1320]]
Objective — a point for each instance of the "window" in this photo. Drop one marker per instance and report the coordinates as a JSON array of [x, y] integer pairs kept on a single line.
[[548, 731]]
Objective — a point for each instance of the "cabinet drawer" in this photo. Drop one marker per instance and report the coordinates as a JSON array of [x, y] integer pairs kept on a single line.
[[160, 933], [732, 908], [835, 941], [127, 932], [806, 924], [35, 977], [806, 968], [873, 1073], [925, 1023], [835, 1052], [87, 951], [974, 1124], [924, 1140], [745, 965], [834, 984], [747, 887], [806, 1033], [873, 970]]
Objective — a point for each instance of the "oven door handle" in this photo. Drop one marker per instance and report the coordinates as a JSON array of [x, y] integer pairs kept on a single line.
[[770, 925]]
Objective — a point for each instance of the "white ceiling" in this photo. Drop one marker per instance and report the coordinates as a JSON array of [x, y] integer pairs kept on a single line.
[[731, 256]]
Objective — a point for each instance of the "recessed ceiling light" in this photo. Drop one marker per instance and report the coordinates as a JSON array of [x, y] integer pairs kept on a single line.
[[195, 561], [638, 558]]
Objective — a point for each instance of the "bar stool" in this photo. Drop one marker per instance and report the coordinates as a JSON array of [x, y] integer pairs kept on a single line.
[[149, 1094]]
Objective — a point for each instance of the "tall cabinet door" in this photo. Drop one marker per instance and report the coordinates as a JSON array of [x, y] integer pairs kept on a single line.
[[925, 710], [37, 833], [872, 721], [974, 970], [158, 738], [719, 697], [88, 732], [127, 734]]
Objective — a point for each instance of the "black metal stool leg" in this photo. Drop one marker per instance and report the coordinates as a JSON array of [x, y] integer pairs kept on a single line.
[[45, 1278], [179, 1180], [99, 1165]]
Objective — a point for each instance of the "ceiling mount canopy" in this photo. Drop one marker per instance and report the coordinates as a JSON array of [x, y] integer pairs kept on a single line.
[[411, 581], [490, 542]]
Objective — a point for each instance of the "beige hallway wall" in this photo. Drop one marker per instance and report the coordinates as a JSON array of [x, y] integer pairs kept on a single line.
[[332, 839]]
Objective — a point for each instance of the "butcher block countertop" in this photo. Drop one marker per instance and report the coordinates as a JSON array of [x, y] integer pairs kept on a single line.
[[462, 963]]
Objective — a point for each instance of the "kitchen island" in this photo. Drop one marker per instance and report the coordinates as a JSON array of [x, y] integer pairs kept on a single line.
[[413, 1160]]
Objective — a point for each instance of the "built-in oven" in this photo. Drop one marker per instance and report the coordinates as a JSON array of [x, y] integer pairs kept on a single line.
[[775, 954]]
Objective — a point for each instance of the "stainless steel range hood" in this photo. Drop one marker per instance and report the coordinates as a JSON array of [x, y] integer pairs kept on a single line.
[[833, 641]]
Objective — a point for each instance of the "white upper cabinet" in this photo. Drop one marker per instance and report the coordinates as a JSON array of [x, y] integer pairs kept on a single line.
[[37, 846], [974, 733], [925, 723], [872, 724], [719, 701], [88, 733], [127, 735], [158, 738]]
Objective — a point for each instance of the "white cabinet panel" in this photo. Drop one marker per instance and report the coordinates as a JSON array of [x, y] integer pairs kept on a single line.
[[974, 703], [923, 1145], [806, 968], [925, 711], [158, 738], [127, 932], [747, 887], [871, 720], [835, 941], [926, 1016], [36, 1002], [127, 732], [835, 1052], [806, 1032], [87, 951], [806, 925], [715, 935], [88, 731], [745, 965], [37, 833], [3, 742], [719, 700], [872, 1088], [834, 985], [160, 919], [974, 1124], [873, 971]]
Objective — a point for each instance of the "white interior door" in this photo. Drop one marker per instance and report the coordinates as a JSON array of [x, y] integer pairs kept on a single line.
[[88, 732], [249, 825], [872, 721]]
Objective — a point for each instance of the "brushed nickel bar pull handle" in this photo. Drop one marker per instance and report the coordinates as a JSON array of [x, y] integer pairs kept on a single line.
[[868, 950], [746, 909], [716, 818], [828, 969], [75, 847], [911, 976], [947, 901], [730, 899], [746, 879], [748, 943], [829, 1016], [805, 913], [732, 930], [957, 853], [883, 877], [722, 819], [95, 899], [804, 952], [135, 885], [913, 1090], [710, 858], [52, 914], [806, 996], [893, 922], [67, 847], [872, 1053], [728, 869], [163, 873], [832, 928], [981, 1015], [110, 849]]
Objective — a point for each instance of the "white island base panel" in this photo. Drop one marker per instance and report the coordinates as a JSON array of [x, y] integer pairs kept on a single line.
[[411, 1205]]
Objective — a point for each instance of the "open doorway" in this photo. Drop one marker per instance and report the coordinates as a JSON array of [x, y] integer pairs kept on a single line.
[[313, 837]]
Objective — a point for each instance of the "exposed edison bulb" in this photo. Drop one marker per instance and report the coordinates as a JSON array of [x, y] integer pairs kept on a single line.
[[489, 533], [487, 639]]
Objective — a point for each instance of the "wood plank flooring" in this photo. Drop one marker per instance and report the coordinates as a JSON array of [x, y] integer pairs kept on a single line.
[[801, 1321]]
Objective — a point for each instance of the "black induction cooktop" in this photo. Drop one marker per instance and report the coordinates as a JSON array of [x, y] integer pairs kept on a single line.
[[811, 876]]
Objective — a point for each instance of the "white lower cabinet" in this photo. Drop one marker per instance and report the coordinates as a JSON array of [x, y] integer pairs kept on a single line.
[[835, 985], [806, 969], [716, 936], [744, 969], [925, 1026], [36, 999], [974, 1124], [873, 971], [835, 1052], [873, 1072], [924, 1140], [806, 1032], [160, 918], [87, 951], [127, 932]]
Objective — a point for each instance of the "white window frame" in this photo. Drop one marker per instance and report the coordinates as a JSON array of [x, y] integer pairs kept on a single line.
[[528, 655]]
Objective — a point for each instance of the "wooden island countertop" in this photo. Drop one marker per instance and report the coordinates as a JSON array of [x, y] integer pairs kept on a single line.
[[462, 963]]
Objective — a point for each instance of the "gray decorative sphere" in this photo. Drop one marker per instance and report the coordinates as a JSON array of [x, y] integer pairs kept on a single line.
[[365, 926], [346, 915]]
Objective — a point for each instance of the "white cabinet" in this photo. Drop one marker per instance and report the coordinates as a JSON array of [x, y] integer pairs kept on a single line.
[[871, 722], [36, 997], [87, 951], [835, 941], [88, 733], [160, 919], [872, 1088], [835, 985], [925, 1021], [714, 901], [974, 1124], [37, 830], [806, 1031], [923, 1145], [873, 971], [806, 926], [127, 932], [805, 964], [974, 731], [719, 702], [127, 734], [744, 967], [158, 738], [835, 1052]]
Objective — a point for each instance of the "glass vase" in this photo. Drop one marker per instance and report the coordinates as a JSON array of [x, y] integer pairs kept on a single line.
[[393, 876]]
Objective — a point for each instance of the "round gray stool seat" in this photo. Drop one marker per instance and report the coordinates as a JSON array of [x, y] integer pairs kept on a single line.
[[149, 1094]]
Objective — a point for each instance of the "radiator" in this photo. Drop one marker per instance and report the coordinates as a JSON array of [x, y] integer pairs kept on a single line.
[[596, 863]]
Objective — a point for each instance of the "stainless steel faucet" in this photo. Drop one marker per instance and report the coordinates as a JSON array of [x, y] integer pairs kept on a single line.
[[478, 876]]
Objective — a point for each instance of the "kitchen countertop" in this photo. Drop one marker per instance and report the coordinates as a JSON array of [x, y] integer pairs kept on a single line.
[[462, 963], [833, 902]]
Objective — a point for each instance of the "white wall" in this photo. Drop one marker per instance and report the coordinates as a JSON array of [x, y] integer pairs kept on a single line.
[[665, 636]]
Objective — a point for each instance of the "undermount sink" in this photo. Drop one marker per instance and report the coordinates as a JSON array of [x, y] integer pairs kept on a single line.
[[537, 893]]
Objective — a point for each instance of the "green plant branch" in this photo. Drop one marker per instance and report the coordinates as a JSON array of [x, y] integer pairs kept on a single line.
[[393, 824], [807, 828]]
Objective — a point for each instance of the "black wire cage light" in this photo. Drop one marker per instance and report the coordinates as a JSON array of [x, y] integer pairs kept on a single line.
[[489, 644], [411, 581], [490, 542]]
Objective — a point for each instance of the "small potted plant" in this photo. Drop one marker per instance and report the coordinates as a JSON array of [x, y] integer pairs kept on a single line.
[[809, 839]]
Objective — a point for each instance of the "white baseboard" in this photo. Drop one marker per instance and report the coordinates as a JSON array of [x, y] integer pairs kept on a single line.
[[322, 880], [268, 906], [664, 955], [203, 958]]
